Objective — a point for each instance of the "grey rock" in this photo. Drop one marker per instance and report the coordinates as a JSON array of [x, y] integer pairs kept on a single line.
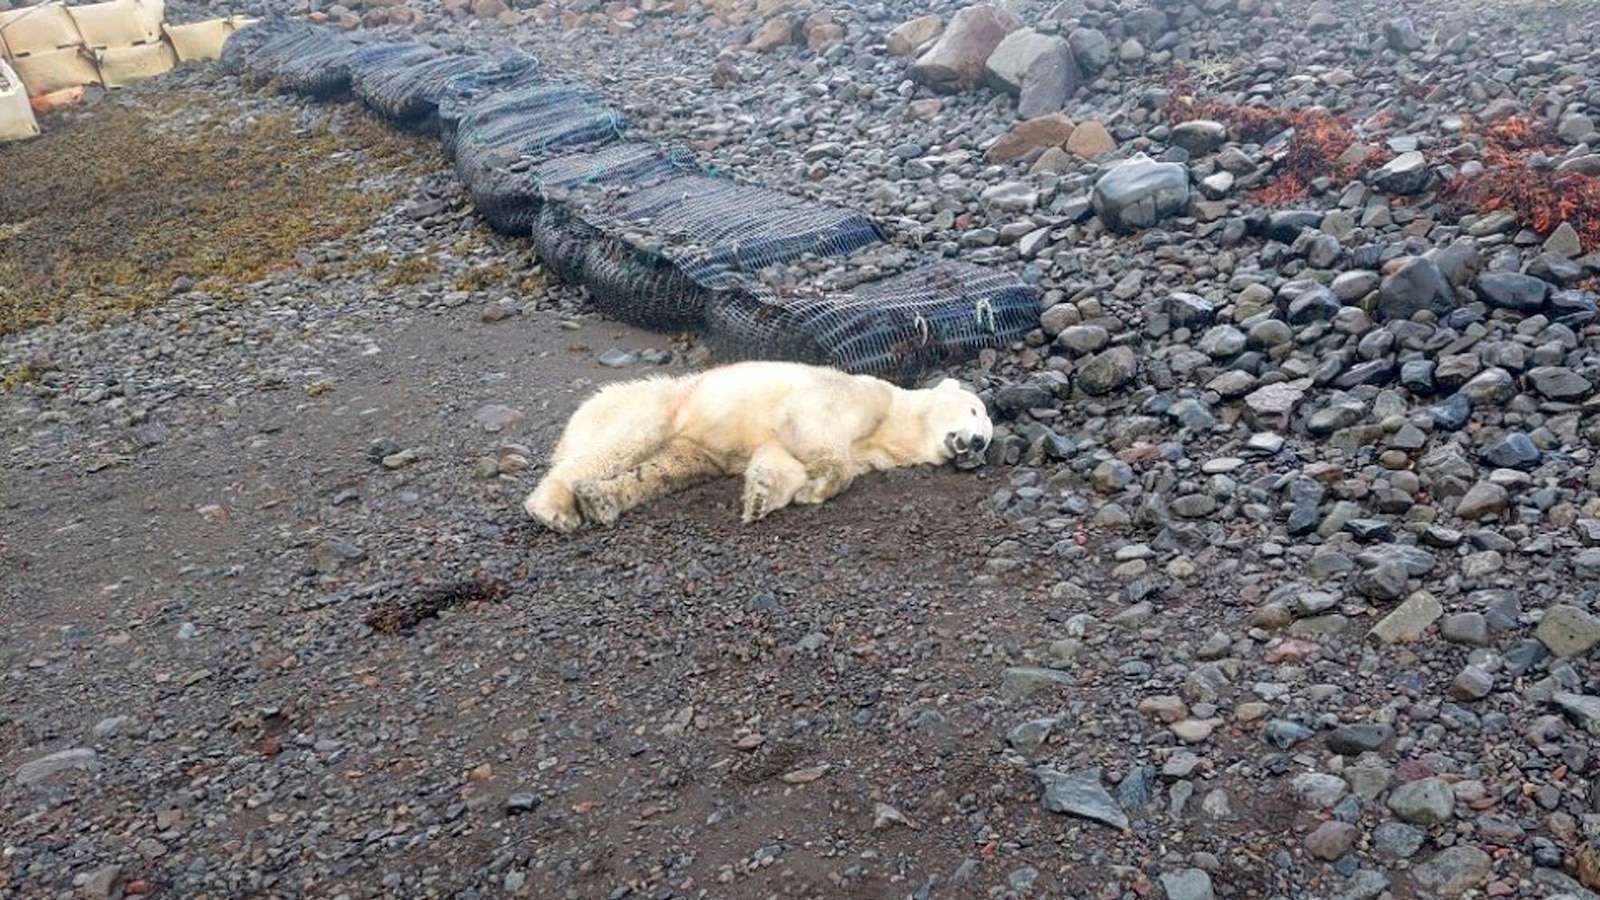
[[1357, 738], [1514, 451], [1199, 137], [1188, 884], [1417, 285], [1031, 735], [1583, 709], [1365, 884], [1406, 174], [1108, 371], [1409, 620], [1453, 871], [1091, 48], [1466, 628], [1080, 794], [957, 60], [1483, 500], [1426, 801], [1573, 309], [1284, 734], [1396, 840], [1559, 383], [1568, 630], [1223, 341], [1019, 683], [77, 759], [497, 417], [1491, 387], [1186, 310], [1049, 82], [1008, 64], [1139, 193], [102, 883], [1401, 35], [333, 554], [1512, 290]]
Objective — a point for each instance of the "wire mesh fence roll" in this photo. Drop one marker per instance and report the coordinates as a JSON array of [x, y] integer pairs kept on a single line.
[[240, 48], [511, 199], [509, 73], [670, 247], [899, 328], [406, 91], [312, 64], [529, 123]]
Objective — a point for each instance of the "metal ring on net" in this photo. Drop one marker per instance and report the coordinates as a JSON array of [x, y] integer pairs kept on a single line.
[[924, 331]]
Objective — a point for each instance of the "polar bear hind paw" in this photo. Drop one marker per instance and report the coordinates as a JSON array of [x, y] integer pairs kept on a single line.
[[549, 509], [598, 506]]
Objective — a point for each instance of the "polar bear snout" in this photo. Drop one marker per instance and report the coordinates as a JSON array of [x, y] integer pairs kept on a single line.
[[966, 450], [961, 444]]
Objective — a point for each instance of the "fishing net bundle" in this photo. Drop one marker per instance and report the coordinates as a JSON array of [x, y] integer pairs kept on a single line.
[[665, 250], [511, 199], [899, 328]]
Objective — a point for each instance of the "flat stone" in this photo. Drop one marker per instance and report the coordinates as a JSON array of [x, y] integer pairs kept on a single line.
[[1568, 630], [78, 759], [1584, 709], [1356, 738], [1454, 871], [1080, 794], [1409, 620], [1025, 137], [905, 38], [1019, 683], [1188, 884], [1559, 383], [1417, 285]]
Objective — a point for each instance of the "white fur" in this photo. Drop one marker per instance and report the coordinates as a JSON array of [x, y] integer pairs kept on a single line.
[[797, 433]]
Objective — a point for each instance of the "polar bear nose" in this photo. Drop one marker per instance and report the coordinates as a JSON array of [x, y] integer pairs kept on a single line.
[[978, 443]]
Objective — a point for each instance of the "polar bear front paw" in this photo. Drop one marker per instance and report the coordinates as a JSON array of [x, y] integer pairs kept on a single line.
[[757, 495], [596, 504]]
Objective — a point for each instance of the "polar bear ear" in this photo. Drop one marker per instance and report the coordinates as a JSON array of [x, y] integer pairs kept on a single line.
[[949, 384]]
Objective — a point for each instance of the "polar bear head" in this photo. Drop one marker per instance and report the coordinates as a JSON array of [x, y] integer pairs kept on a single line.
[[956, 424]]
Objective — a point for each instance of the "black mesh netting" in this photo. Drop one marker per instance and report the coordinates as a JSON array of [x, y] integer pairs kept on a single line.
[[562, 240], [514, 71], [407, 91], [307, 60], [899, 328], [529, 123], [671, 246], [510, 199], [311, 62], [241, 46]]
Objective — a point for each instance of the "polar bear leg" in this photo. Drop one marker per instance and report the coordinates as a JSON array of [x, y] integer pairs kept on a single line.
[[613, 431], [678, 465], [770, 481], [824, 482]]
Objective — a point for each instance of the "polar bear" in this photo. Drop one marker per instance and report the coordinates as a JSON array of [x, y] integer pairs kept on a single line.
[[797, 433]]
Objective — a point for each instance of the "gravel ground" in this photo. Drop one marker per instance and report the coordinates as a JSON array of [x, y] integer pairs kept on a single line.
[[1281, 581]]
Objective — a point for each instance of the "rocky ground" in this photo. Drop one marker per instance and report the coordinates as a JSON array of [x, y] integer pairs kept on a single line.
[[1281, 581]]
